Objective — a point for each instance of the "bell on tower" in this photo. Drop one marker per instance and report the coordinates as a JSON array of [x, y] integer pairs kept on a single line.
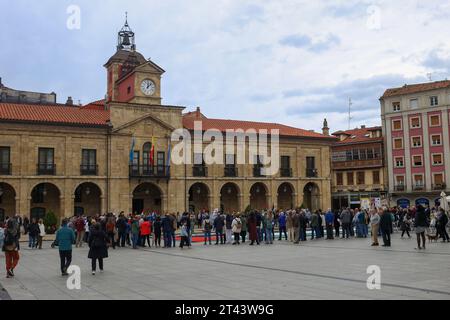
[[125, 39]]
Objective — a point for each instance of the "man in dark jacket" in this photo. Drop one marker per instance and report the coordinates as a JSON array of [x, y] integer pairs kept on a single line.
[[303, 224], [121, 225], [258, 226], [218, 225], [386, 228], [167, 230]]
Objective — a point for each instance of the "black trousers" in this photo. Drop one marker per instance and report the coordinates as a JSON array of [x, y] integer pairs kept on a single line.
[[407, 232], [66, 260], [146, 237], [94, 263], [336, 231], [236, 237], [386, 237], [220, 236], [330, 231], [283, 229], [243, 236], [157, 239]]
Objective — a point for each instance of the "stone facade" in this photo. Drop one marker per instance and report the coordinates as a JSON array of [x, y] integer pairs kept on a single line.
[[114, 184]]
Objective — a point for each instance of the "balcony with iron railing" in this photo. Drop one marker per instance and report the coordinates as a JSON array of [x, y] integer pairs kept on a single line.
[[46, 169], [89, 170], [258, 171], [230, 171], [311, 173], [418, 187], [439, 186], [286, 172], [199, 171], [5, 169], [148, 171]]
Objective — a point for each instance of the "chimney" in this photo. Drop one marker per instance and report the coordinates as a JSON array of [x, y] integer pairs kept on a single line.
[[198, 114], [69, 101], [363, 127], [1, 84], [325, 129]]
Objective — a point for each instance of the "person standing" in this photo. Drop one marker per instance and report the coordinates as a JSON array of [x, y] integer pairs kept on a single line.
[[346, 219], [329, 221], [218, 226], [135, 231], [244, 228], [98, 247], [258, 225], [174, 227], [303, 223], [80, 228], [386, 227], [65, 238], [282, 226], [33, 233], [253, 234], [315, 226], [121, 226], [296, 226], [375, 225], [207, 227], [41, 234], [146, 230], [236, 227], [441, 225], [337, 224], [157, 231], [11, 246], [289, 227], [405, 224], [184, 233], [268, 223], [421, 224], [228, 228]]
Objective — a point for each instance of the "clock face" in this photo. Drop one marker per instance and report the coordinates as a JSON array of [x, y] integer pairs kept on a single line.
[[148, 87]]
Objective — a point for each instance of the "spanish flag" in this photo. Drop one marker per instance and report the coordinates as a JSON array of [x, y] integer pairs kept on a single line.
[[152, 152]]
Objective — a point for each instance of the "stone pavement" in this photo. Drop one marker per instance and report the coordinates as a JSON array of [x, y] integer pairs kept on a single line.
[[319, 269]]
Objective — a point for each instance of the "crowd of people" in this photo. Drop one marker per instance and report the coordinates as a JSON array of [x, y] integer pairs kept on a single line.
[[133, 230]]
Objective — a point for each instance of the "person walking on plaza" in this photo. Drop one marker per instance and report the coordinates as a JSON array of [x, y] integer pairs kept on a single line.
[[282, 226], [243, 228], [441, 224], [207, 227], [41, 234], [375, 225], [421, 224], [329, 221], [236, 227], [65, 238], [386, 227], [11, 246], [405, 224], [98, 247], [289, 226], [146, 231], [33, 233]]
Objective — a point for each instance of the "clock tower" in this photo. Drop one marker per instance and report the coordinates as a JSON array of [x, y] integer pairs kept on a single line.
[[131, 77]]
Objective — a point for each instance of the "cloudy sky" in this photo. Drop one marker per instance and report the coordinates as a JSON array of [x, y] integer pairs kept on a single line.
[[289, 61]]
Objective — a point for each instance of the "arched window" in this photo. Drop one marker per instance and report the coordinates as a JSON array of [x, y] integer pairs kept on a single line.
[[146, 154]]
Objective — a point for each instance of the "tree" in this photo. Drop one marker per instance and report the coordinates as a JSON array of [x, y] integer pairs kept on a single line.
[[50, 222]]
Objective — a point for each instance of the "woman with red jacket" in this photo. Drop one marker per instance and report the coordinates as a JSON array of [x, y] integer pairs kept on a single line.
[[146, 231]]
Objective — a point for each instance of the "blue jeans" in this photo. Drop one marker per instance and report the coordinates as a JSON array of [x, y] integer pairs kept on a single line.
[[316, 231], [135, 239], [174, 240], [259, 233], [31, 241], [365, 230], [208, 236], [269, 238], [167, 239]]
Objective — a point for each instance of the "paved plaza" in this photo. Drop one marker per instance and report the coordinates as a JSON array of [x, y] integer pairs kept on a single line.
[[318, 269]]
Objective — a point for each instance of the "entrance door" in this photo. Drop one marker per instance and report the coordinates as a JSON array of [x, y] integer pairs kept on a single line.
[[138, 206]]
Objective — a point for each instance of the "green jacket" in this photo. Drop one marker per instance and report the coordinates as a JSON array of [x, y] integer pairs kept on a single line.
[[135, 227], [268, 223], [244, 224], [65, 238]]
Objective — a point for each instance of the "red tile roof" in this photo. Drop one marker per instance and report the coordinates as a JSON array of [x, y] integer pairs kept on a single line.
[[414, 88], [96, 105], [60, 114], [223, 124], [358, 135]]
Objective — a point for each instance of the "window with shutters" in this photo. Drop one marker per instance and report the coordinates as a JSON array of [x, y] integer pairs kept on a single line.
[[399, 162], [436, 140], [437, 159], [350, 179], [398, 143], [435, 120], [339, 179], [397, 125], [416, 142], [415, 123], [417, 161]]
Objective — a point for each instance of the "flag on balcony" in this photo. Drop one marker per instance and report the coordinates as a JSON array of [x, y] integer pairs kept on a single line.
[[152, 152], [133, 144]]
